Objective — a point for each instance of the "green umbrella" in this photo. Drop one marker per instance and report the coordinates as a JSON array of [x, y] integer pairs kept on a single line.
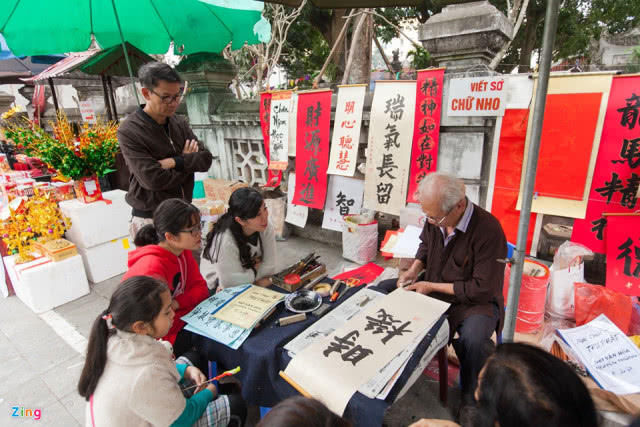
[[41, 27]]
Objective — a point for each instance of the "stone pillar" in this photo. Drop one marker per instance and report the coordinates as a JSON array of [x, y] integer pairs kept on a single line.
[[465, 35], [209, 76], [5, 101]]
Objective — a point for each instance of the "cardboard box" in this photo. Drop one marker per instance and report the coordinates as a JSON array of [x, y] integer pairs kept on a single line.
[[106, 260], [56, 250], [43, 285], [219, 189], [99, 222]]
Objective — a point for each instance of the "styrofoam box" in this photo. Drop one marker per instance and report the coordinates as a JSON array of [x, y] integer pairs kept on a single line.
[[107, 259], [42, 284], [97, 222]]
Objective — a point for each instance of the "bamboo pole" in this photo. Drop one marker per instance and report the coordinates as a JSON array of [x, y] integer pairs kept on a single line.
[[336, 43], [354, 43]]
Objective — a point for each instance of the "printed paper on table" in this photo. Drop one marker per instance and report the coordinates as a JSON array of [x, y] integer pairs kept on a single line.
[[312, 152], [426, 131], [610, 357], [274, 177], [296, 215], [279, 130], [346, 130], [249, 307], [344, 197], [360, 348], [389, 149], [617, 172], [623, 254], [566, 84], [477, 96]]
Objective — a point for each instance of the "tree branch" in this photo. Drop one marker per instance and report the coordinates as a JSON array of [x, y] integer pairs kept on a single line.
[[336, 43], [496, 59]]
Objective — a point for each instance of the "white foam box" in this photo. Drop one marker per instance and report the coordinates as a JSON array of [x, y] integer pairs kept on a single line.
[[106, 260], [97, 222], [43, 284]]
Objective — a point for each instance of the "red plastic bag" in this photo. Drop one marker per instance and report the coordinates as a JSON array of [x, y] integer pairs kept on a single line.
[[594, 300]]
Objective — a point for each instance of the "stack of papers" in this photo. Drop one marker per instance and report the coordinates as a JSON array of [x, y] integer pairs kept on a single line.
[[229, 323], [404, 244]]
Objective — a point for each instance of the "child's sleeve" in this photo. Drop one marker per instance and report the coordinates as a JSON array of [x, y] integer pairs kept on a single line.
[[196, 289], [182, 368], [194, 409]]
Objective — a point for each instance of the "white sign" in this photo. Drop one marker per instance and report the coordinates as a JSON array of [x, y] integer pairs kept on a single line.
[[296, 214], [344, 197], [477, 96], [346, 130], [279, 130], [609, 355], [389, 150], [293, 124], [88, 112]]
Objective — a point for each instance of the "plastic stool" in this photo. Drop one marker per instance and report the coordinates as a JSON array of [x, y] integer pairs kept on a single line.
[[263, 411]]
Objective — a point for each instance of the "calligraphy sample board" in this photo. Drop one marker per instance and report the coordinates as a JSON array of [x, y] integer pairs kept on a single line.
[[617, 173], [334, 367], [248, 307], [623, 254], [565, 202]]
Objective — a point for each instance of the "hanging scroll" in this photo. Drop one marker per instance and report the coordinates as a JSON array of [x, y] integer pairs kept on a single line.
[[273, 177], [389, 150], [279, 130], [344, 197], [426, 130], [312, 148], [623, 254], [346, 130]]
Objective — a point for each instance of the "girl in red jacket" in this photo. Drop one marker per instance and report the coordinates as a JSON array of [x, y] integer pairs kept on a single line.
[[164, 252]]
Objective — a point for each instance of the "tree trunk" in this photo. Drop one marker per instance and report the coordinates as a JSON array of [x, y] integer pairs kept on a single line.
[[528, 43], [361, 67]]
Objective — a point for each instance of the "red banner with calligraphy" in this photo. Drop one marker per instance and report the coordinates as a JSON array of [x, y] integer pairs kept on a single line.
[[623, 254], [365, 274], [312, 148], [274, 177], [617, 172], [426, 131]]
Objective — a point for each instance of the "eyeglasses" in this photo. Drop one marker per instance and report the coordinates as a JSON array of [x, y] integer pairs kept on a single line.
[[433, 220], [195, 230], [168, 99]]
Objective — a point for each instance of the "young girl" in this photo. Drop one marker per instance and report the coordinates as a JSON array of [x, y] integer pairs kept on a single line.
[[164, 251], [129, 378], [241, 248]]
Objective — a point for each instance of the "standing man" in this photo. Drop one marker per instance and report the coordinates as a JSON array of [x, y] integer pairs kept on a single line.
[[160, 149], [459, 251]]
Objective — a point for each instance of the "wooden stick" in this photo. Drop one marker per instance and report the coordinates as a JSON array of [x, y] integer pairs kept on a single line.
[[384, 56], [334, 48], [294, 384], [621, 214]]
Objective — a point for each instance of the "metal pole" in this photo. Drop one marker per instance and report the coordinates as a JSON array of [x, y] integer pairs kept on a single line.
[[114, 110], [53, 94], [550, 26], [107, 103], [124, 51]]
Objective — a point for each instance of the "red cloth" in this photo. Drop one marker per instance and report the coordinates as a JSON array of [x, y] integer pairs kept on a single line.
[[181, 273]]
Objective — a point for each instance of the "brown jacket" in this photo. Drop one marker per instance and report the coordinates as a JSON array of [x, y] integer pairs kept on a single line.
[[469, 261], [143, 142]]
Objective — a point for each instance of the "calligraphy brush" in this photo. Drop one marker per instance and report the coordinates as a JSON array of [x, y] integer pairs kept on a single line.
[[222, 375]]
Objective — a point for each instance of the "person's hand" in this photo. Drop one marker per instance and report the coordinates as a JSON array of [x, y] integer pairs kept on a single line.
[[421, 287], [406, 277], [213, 389], [264, 282], [168, 163], [434, 423], [196, 376], [175, 305], [190, 146]]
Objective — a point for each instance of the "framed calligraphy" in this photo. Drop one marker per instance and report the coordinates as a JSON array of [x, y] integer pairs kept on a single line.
[[274, 177], [279, 130]]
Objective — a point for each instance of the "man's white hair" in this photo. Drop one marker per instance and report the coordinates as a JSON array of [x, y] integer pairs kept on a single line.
[[446, 188]]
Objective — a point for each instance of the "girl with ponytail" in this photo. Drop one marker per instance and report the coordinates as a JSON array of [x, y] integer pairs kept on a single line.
[[241, 247], [164, 251], [130, 378]]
